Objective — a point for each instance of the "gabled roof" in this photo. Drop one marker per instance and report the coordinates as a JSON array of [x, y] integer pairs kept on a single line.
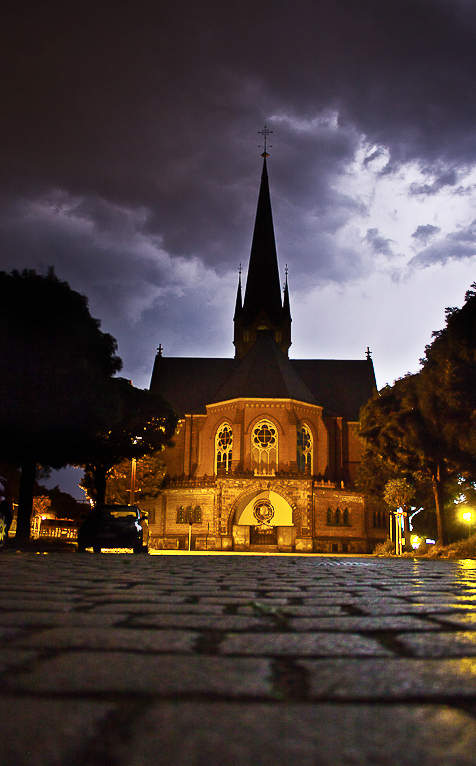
[[264, 373], [189, 383], [341, 386]]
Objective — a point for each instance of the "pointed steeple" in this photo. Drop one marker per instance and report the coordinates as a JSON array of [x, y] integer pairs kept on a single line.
[[262, 308], [238, 304], [286, 304], [263, 285]]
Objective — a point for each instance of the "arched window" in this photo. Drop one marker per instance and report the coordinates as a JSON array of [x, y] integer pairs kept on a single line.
[[337, 516], [346, 517], [264, 447], [330, 517], [224, 448], [304, 449]]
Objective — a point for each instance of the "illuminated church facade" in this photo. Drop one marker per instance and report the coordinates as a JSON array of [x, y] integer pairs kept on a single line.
[[266, 450]]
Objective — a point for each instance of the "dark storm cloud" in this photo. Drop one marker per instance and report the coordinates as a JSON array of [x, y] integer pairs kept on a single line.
[[128, 142], [425, 232], [458, 245], [447, 177], [378, 243]]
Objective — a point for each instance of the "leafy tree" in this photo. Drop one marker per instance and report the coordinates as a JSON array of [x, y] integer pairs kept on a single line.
[[55, 385], [150, 472], [145, 424], [447, 390], [393, 423], [398, 493]]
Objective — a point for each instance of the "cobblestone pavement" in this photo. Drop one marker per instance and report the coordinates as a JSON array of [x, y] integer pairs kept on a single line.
[[197, 660]]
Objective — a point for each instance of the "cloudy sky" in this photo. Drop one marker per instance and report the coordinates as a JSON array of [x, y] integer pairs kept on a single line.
[[129, 160]]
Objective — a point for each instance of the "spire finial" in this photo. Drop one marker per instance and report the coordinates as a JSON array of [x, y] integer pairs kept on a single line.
[[265, 133], [286, 273], [368, 353], [159, 350]]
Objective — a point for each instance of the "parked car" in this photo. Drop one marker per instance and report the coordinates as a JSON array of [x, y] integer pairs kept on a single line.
[[115, 526]]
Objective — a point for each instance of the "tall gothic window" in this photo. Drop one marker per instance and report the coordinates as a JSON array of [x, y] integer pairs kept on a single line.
[[224, 448], [264, 447], [304, 449]]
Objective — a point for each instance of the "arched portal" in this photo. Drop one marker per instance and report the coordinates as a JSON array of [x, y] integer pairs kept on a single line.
[[262, 518]]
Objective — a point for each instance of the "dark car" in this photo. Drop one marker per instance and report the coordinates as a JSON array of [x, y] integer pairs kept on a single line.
[[114, 526]]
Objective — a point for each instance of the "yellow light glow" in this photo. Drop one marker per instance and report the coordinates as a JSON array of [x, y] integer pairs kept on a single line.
[[468, 516]]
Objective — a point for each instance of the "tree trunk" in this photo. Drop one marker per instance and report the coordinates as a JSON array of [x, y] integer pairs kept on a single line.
[[25, 500], [439, 504], [100, 483]]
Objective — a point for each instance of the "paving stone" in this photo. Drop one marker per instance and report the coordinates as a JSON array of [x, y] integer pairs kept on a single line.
[[189, 608], [59, 618], [459, 619], [42, 732], [391, 622], [201, 621], [325, 735], [406, 608], [304, 611], [112, 638], [131, 673], [121, 605], [243, 600], [455, 644], [15, 658], [291, 644], [33, 605], [387, 680]]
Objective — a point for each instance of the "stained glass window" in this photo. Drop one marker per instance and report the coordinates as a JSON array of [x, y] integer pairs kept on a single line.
[[224, 448], [264, 447], [304, 449]]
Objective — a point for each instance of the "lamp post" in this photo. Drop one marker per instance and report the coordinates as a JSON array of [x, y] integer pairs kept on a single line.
[[133, 480]]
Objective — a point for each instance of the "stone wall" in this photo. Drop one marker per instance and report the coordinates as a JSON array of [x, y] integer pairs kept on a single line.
[[311, 503]]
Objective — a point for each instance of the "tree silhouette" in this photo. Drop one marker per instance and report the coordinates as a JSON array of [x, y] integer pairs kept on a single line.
[[55, 382]]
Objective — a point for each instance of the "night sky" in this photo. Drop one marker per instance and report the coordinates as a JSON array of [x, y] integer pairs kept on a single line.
[[129, 161]]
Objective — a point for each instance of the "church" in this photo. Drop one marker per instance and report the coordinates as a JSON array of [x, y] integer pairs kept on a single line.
[[266, 450]]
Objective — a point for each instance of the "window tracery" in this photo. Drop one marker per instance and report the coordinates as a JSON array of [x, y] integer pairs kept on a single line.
[[304, 449], [264, 447], [224, 448]]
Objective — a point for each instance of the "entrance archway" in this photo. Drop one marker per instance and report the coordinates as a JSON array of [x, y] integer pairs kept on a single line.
[[262, 517]]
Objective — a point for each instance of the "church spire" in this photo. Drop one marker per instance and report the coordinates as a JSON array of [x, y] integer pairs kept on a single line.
[[263, 285], [262, 308], [286, 304], [238, 304]]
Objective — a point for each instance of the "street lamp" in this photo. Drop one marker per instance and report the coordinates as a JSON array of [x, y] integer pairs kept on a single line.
[[468, 516]]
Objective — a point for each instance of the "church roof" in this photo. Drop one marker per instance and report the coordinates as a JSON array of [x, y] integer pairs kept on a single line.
[[263, 290], [189, 383], [264, 373], [341, 387]]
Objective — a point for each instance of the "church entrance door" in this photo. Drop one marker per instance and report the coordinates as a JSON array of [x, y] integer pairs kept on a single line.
[[263, 535]]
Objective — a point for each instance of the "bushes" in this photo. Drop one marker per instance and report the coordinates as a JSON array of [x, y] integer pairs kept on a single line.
[[385, 549]]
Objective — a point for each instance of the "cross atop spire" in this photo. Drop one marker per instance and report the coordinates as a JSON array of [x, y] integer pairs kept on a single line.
[[265, 133]]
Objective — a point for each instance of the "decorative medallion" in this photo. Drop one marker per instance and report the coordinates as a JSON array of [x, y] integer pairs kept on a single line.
[[263, 512]]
